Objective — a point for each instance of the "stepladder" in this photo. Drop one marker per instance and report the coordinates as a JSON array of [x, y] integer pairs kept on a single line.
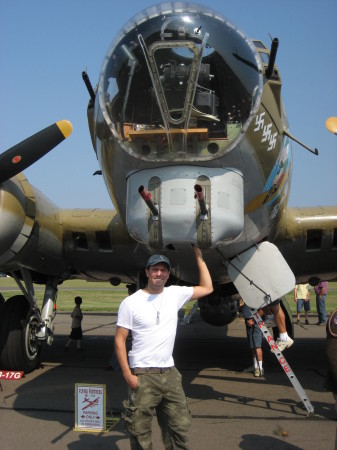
[[283, 362]]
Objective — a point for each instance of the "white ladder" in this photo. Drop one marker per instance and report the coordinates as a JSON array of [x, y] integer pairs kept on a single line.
[[283, 362]]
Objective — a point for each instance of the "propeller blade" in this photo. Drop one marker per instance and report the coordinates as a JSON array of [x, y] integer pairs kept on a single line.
[[331, 124], [27, 152]]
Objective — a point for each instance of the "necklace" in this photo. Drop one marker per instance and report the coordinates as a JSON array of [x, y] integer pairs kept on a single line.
[[157, 311]]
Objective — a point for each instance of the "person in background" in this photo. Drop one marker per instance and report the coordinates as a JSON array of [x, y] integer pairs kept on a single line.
[[275, 317], [321, 290], [76, 328], [301, 297], [254, 336], [284, 341]]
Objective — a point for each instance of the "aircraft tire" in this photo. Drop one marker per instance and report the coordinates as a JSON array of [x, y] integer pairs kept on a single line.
[[2, 300], [16, 350]]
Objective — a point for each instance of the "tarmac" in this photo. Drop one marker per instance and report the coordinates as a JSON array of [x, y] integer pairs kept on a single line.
[[230, 409]]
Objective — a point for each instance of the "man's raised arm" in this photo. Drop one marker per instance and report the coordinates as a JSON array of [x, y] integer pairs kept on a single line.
[[205, 281]]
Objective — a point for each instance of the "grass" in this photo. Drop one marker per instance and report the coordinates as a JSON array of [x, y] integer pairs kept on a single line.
[[330, 303], [96, 296], [102, 296]]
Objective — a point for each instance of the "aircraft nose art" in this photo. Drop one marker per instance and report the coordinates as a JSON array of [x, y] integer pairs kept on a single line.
[[179, 83]]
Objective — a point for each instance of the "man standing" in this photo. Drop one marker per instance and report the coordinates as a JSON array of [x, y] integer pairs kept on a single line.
[[301, 297], [321, 291], [154, 384]]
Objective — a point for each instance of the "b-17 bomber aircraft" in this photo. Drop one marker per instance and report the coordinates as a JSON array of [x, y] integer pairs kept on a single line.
[[191, 136]]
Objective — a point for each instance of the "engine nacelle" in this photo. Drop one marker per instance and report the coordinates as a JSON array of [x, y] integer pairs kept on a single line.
[[218, 309], [30, 229]]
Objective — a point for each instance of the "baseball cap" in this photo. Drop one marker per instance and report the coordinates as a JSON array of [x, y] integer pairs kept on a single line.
[[157, 259]]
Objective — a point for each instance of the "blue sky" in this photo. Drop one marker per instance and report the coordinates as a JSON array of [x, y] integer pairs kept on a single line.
[[45, 45]]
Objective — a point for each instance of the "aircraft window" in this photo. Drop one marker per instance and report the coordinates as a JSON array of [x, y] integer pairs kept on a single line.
[[314, 239], [103, 240], [80, 241], [259, 44], [179, 86], [264, 57]]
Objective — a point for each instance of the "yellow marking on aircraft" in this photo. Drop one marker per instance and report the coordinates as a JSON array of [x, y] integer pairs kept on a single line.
[[260, 199], [65, 127]]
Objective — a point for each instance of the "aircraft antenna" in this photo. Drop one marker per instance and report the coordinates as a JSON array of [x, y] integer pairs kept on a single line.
[[315, 152]]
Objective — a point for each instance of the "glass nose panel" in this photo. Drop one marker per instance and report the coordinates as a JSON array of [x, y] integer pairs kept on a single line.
[[178, 85], [174, 79]]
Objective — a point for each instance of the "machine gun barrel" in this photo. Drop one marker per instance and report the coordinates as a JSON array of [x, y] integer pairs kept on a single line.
[[200, 196], [146, 196], [272, 57], [89, 86]]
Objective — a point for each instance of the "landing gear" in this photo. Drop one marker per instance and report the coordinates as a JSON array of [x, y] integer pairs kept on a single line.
[[23, 327], [19, 348]]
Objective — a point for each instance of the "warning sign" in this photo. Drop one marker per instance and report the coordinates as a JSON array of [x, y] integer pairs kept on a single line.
[[90, 407]]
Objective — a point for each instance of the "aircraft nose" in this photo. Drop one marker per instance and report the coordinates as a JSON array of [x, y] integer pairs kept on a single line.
[[179, 85]]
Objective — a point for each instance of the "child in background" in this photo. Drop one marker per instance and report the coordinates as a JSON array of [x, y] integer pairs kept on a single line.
[[76, 329]]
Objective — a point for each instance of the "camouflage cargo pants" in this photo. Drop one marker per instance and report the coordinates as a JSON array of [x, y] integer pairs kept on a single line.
[[161, 393]]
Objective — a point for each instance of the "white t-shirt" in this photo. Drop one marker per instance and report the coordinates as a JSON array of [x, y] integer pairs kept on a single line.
[[302, 291], [152, 320]]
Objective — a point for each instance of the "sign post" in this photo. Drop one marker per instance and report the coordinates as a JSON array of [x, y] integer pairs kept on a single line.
[[90, 407]]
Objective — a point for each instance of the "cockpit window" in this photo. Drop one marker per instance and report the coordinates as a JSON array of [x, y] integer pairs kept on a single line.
[[259, 44], [179, 85]]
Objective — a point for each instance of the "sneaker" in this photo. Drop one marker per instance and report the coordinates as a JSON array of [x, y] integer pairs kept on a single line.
[[298, 321], [307, 322], [259, 373], [320, 323], [283, 345], [250, 369], [270, 323]]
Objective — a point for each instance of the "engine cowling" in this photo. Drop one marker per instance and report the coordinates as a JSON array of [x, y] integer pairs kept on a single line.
[[31, 233], [218, 309]]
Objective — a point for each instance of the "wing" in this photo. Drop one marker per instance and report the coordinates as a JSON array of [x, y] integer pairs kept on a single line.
[[61, 244]]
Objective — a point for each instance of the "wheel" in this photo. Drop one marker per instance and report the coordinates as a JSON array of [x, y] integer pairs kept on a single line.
[[19, 350]]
